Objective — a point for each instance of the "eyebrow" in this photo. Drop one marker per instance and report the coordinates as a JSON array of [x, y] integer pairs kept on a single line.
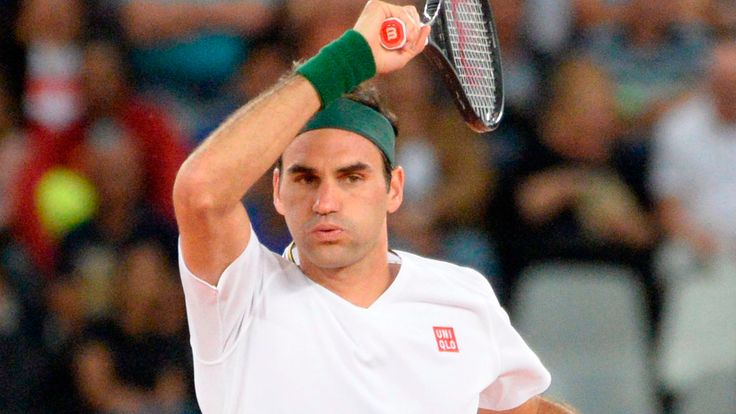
[[300, 169], [349, 169], [354, 168]]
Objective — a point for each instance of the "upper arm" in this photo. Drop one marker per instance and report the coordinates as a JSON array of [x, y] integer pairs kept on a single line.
[[520, 375]]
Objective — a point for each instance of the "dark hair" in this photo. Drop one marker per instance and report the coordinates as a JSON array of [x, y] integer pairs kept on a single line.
[[368, 95]]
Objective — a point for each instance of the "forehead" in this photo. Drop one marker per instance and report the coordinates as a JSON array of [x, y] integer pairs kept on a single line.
[[331, 147]]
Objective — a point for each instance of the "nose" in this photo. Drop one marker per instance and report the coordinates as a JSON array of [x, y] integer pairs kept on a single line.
[[327, 200]]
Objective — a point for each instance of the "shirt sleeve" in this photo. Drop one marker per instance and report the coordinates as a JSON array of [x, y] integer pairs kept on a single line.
[[521, 373], [218, 314], [674, 161]]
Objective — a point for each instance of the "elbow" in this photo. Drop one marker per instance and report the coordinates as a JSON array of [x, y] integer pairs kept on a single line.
[[193, 193]]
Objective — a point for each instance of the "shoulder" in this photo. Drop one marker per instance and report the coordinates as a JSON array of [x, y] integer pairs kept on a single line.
[[446, 274]]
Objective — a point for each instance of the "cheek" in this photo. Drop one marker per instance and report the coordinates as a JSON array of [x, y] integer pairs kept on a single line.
[[293, 198], [369, 210], [294, 205]]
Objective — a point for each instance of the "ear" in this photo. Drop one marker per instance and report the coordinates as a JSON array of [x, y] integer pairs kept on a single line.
[[277, 191], [396, 190]]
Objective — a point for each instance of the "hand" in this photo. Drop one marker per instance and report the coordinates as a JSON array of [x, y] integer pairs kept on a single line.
[[369, 25]]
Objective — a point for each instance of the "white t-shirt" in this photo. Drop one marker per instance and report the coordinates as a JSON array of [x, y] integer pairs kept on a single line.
[[693, 161], [267, 339]]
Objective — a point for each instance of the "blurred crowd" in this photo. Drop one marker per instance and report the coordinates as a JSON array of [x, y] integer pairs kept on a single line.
[[617, 146]]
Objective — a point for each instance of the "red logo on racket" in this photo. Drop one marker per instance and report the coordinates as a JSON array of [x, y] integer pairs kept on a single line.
[[445, 336], [393, 33]]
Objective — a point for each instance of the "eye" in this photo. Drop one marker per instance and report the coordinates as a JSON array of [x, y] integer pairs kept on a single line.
[[305, 179], [353, 178]]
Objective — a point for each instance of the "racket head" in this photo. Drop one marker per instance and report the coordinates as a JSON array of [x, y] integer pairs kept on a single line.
[[464, 47]]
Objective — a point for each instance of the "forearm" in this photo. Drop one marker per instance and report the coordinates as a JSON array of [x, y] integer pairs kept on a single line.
[[213, 225], [545, 195]]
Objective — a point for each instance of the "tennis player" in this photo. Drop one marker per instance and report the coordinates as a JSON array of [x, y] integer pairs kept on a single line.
[[340, 323]]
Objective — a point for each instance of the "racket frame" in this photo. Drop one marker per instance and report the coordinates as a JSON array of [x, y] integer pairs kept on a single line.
[[441, 57]]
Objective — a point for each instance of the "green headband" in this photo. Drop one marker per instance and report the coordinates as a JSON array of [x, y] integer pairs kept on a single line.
[[349, 115]]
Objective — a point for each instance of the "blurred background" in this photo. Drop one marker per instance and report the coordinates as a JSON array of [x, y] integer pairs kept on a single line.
[[601, 211]]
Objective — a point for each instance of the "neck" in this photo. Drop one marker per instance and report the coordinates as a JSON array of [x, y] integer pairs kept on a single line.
[[360, 283]]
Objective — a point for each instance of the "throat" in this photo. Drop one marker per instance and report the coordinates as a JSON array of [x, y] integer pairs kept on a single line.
[[360, 284], [361, 290]]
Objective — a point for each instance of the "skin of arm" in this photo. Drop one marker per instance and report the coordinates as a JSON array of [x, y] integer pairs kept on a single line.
[[536, 405], [544, 195], [677, 225], [213, 225]]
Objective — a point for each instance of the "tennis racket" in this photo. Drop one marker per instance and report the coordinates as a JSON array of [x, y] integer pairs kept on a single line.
[[463, 47]]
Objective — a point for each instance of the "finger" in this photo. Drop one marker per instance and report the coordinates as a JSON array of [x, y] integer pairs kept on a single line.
[[416, 47], [423, 39], [414, 14], [413, 25]]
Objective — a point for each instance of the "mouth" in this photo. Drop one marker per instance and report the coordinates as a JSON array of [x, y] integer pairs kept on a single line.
[[326, 232]]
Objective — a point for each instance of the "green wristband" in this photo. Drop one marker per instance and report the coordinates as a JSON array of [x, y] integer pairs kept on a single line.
[[340, 66]]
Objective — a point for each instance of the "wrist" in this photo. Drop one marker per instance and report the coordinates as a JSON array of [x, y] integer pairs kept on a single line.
[[340, 66]]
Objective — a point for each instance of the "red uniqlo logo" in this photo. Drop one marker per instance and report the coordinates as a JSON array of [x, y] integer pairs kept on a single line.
[[445, 337]]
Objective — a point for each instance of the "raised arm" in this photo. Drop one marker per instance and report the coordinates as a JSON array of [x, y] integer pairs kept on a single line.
[[213, 225]]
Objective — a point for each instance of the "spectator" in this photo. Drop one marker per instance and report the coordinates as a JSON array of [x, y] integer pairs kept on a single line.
[[63, 330], [137, 360], [693, 176], [184, 53], [13, 154], [50, 30], [721, 15], [557, 26], [575, 194], [523, 76], [694, 184], [655, 60], [114, 118], [21, 362], [21, 307], [12, 54]]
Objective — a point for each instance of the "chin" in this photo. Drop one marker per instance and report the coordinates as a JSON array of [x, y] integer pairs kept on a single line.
[[330, 256]]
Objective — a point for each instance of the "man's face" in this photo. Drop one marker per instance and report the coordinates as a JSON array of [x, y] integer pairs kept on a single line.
[[333, 195]]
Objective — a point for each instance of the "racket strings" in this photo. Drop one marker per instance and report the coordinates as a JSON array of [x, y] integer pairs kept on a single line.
[[473, 54]]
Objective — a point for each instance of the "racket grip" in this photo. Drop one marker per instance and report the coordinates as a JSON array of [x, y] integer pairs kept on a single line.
[[393, 33]]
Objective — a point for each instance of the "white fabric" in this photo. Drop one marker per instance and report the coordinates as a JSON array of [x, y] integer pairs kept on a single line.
[[269, 340], [699, 325], [694, 157]]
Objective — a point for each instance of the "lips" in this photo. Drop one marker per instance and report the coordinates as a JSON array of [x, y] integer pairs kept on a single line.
[[326, 232]]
